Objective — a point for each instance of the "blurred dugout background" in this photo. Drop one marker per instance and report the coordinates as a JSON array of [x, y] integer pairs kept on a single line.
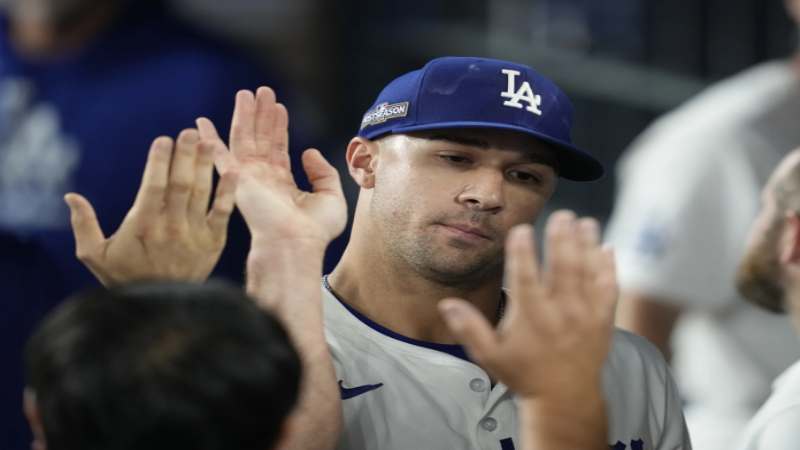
[[622, 62]]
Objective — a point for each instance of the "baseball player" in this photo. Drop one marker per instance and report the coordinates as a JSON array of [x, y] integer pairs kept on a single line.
[[768, 277], [449, 159]]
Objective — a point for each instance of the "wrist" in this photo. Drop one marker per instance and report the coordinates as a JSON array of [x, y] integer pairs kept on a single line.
[[558, 425], [304, 245]]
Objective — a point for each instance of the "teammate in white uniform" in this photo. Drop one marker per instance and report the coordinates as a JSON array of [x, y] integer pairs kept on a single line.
[[449, 159], [688, 194], [769, 276]]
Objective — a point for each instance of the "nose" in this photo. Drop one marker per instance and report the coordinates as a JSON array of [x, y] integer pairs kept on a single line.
[[483, 191]]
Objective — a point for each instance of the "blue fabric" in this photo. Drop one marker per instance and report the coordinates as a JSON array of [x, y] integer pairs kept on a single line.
[[92, 116]]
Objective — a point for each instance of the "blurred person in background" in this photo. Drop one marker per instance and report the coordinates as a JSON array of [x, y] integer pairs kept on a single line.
[[688, 191], [160, 366], [84, 87], [769, 277]]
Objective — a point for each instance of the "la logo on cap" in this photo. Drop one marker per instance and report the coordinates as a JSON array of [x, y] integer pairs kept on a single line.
[[524, 93]]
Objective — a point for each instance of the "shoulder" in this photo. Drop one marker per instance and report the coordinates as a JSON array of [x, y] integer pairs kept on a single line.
[[715, 120], [633, 356]]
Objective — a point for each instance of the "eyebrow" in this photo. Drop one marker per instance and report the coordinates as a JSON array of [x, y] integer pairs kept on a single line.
[[463, 140], [528, 156]]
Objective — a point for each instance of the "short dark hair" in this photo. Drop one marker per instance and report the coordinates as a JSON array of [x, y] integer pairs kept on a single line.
[[162, 366]]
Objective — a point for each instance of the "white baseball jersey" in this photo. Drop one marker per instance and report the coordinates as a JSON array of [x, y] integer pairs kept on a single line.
[[689, 190], [402, 394], [776, 426]]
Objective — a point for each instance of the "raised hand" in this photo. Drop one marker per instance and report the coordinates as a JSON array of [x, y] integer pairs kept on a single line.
[[557, 330], [551, 345], [169, 232], [274, 208], [290, 230]]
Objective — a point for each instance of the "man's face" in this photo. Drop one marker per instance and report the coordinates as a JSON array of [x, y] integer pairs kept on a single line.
[[759, 275], [445, 200]]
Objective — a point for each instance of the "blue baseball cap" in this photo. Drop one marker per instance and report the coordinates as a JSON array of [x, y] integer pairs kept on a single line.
[[465, 92]]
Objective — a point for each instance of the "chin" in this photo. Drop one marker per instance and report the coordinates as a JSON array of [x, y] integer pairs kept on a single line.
[[460, 270]]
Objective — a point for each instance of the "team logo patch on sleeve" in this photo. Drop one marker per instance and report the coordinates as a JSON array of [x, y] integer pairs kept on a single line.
[[384, 112]]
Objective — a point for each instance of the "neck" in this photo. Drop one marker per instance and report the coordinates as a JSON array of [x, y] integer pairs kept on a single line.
[[394, 295]]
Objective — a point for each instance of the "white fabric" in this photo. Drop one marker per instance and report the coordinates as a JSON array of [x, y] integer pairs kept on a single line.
[[689, 190], [776, 426], [431, 400]]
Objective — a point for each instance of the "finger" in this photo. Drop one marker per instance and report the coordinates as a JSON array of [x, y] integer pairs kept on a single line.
[[264, 119], [521, 271], [564, 267], [223, 159], [324, 178], [181, 177], [606, 286], [203, 176], [221, 210], [470, 328], [280, 137], [207, 130], [151, 196], [242, 138], [85, 227], [589, 254]]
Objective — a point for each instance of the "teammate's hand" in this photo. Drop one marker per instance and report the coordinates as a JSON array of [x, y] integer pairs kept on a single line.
[[169, 233], [275, 209], [557, 330]]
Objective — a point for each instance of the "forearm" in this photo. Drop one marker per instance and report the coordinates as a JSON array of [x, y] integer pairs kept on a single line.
[[285, 279], [553, 423]]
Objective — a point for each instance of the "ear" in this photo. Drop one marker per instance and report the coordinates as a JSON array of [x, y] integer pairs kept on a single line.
[[790, 239], [31, 410], [362, 160]]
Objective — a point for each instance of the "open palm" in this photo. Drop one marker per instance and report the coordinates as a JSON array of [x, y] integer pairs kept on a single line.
[[274, 208]]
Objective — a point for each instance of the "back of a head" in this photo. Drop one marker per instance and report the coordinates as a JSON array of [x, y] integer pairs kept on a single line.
[[162, 366]]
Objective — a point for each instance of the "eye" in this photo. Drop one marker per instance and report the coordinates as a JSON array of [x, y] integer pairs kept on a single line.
[[525, 177], [455, 159]]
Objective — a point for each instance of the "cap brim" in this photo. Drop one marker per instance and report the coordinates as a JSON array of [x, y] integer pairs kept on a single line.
[[573, 163]]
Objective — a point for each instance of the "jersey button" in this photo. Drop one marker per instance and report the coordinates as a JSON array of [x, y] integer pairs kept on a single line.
[[477, 385], [489, 424]]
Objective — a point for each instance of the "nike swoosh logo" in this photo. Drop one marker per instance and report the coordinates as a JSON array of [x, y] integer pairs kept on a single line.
[[356, 391]]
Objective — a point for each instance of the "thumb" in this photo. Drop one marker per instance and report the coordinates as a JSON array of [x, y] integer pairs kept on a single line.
[[322, 175], [469, 327], [85, 227]]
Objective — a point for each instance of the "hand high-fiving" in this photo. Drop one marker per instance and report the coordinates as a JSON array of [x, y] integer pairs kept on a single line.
[[557, 330], [274, 208], [169, 232]]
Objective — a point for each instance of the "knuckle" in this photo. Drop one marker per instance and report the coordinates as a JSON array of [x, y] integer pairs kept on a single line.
[[180, 187], [224, 207]]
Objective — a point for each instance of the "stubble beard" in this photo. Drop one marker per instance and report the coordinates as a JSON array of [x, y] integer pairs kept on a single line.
[[420, 249], [452, 266]]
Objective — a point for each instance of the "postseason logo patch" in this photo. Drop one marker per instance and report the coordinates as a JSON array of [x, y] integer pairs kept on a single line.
[[384, 112]]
